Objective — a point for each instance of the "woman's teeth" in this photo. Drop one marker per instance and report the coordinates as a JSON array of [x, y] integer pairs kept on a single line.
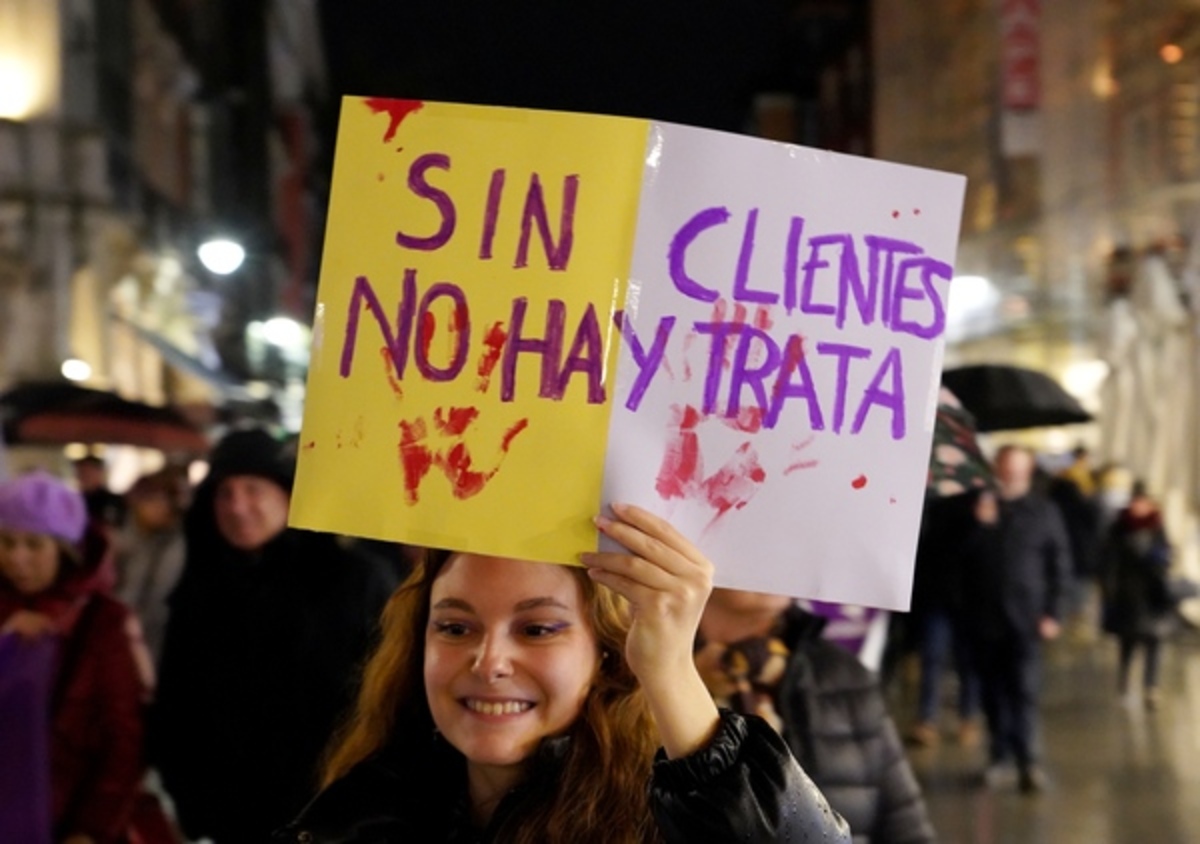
[[508, 707]]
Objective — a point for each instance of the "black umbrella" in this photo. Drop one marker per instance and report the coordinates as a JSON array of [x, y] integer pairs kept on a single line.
[[1004, 398], [59, 412]]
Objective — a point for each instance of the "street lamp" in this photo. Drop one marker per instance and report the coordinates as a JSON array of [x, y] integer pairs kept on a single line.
[[221, 255], [74, 369]]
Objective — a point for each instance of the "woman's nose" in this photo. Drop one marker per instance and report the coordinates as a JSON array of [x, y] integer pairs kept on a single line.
[[493, 660]]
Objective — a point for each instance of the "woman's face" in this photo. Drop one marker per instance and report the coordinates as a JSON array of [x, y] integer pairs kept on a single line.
[[29, 561], [510, 656]]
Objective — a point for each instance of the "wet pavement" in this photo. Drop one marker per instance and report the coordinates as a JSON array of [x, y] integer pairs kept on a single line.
[[1118, 774]]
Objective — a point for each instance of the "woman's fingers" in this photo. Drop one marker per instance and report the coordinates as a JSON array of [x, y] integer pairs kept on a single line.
[[658, 528], [653, 538], [634, 570]]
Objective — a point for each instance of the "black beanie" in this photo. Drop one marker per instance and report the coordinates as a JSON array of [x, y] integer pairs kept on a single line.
[[253, 451]]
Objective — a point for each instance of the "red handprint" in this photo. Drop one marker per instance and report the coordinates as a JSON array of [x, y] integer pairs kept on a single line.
[[418, 454]]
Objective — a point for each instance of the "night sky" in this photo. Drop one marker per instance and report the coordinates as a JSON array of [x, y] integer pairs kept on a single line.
[[690, 61]]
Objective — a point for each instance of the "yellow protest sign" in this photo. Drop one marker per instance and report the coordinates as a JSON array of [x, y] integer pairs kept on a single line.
[[473, 262]]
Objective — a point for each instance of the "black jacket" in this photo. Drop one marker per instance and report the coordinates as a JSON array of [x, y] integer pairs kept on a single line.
[[1015, 573], [261, 658], [837, 724], [744, 787], [1134, 578]]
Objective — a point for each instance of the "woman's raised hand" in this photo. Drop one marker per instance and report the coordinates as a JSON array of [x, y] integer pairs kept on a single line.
[[667, 581]]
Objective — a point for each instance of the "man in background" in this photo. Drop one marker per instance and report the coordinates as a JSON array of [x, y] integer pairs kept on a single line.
[[1014, 586], [267, 630]]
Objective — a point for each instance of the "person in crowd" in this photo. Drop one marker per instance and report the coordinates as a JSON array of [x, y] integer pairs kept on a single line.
[[52, 588], [522, 702], [150, 554], [1019, 562], [1137, 604], [267, 629], [1074, 490], [103, 505], [937, 619], [764, 655]]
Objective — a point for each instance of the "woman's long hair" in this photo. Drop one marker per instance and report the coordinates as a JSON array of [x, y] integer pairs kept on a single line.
[[601, 792]]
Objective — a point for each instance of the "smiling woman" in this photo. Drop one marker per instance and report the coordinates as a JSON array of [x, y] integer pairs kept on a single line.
[[522, 702]]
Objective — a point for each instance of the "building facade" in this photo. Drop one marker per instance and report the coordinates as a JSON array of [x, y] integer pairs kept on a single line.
[[130, 131], [1076, 123]]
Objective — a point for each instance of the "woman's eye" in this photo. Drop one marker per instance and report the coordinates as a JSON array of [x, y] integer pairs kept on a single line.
[[541, 631], [450, 628]]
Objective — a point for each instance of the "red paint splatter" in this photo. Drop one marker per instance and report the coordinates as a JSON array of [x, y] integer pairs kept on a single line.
[[802, 464], [739, 314], [415, 458], [456, 464], [493, 345], [459, 322], [720, 308], [895, 215], [455, 420], [511, 434], [396, 110], [732, 487], [916, 212], [891, 501], [426, 331], [687, 417], [389, 369], [859, 482], [748, 420], [464, 482], [681, 465], [762, 319]]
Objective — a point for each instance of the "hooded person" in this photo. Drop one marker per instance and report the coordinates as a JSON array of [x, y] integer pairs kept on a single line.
[[266, 631], [55, 571]]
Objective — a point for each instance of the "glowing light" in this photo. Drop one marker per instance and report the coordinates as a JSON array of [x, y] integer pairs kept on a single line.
[[221, 256], [1171, 53], [972, 308], [30, 58], [18, 89], [1083, 378], [74, 369], [283, 332]]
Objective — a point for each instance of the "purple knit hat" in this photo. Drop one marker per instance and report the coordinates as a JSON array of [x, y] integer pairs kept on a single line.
[[40, 503]]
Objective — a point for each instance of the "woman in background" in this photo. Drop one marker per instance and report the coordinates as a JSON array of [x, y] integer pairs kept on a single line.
[[52, 590], [1137, 604]]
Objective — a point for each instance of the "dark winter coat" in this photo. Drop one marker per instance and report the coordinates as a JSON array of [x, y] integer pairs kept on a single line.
[[261, 657], [745, 786], [1016, 572], [1134, 578], [837, 725], [1082, 517], [96, 763]]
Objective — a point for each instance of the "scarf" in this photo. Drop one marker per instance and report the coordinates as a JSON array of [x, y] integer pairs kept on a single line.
[[745, 676]]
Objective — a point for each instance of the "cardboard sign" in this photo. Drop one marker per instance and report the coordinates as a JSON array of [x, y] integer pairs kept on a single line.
[[524, 315]]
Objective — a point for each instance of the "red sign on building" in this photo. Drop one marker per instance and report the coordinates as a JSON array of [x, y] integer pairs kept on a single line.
[[1019, 54]]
